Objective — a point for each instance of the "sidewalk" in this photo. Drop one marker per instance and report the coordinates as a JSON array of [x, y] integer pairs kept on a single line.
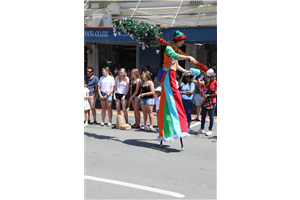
[[130, 113]]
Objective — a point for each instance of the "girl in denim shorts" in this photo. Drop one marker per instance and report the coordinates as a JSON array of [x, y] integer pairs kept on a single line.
[[147, 99]]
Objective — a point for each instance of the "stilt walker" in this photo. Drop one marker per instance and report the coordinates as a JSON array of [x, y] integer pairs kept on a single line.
[[172, 118]]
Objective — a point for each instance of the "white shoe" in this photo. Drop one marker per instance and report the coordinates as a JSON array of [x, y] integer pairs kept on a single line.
[[86, 123], [208, 133]]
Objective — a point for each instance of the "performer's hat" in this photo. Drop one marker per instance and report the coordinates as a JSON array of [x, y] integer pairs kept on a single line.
[[177, 36], [158, 89]]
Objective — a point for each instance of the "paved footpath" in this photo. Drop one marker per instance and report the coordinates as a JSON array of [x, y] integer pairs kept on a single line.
[[132, 165]]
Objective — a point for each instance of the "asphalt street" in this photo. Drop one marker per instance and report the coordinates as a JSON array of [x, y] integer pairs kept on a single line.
[[131, 164]]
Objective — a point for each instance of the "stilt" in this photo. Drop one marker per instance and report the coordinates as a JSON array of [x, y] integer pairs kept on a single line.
[[182, 147], [161, 143]]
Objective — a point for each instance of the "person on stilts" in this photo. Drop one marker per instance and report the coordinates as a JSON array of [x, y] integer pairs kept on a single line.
[[172, 118]]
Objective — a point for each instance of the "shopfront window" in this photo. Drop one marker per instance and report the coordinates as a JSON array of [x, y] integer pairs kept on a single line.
[[111, 55], [207, 54]]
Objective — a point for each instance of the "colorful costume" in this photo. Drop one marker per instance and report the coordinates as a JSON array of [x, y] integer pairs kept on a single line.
[[172, 121]]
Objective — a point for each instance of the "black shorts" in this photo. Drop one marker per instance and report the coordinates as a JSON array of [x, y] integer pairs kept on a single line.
[[119, 96]]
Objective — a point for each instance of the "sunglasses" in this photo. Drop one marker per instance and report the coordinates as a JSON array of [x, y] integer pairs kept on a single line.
[[89, 71]]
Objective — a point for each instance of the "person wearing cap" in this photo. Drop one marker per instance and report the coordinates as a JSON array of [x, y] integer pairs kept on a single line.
[[172, 117], [210, 84]]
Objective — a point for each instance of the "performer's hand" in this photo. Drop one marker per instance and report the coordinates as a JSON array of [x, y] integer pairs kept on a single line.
[[192, 60], [189, 72]]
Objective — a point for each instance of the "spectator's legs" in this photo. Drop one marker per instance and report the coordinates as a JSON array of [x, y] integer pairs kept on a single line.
[[109, 110], [212, 116], [150, 113], [118, 106], [125, 110], [203, 116], [144, 109], [103, 112], [136, 108]]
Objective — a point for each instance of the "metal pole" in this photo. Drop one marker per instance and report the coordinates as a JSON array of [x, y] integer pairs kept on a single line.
[[182, 147], [176, 13]]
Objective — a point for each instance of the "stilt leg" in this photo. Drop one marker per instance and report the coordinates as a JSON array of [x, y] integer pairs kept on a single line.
[[182, 147], [161, 143]]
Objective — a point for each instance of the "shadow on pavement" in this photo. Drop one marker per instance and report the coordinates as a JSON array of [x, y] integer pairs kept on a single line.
[[135, 142], [157, 147], [101, 137]]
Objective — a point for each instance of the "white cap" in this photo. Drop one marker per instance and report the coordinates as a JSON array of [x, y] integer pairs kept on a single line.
[[210, 72], [158, 89]]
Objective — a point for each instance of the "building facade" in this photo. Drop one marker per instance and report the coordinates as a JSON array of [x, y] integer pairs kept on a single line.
[[103, 48]]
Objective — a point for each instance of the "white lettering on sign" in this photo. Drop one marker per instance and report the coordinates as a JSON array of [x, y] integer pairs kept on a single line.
[[96, 33]]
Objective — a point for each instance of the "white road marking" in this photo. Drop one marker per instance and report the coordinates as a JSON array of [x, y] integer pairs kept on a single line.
[[165, 192], [196, 124]]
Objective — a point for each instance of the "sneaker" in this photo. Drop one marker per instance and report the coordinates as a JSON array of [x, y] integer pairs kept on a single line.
[[95, 122], [208, 133], [109, 124], [102, 124], [189, 130], [157, 130], [86, 123], [89, 121], [143, 127]]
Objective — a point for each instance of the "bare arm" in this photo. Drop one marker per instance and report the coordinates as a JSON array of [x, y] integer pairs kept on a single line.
[[127, 88], [180, 80], [138, 84]]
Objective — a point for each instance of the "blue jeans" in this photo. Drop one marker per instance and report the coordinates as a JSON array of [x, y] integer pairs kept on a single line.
[[187, 105], [211, 116]]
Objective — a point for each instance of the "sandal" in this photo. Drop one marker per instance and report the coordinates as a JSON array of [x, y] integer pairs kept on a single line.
[[135, 126], [150, 129]]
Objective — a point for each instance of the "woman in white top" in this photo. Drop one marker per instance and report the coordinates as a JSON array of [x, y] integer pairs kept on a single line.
[[121, 90], [106, 87]]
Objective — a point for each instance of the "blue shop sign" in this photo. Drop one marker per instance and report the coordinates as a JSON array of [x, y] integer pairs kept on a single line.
[[198, 34], [193, 34], [94, 34]]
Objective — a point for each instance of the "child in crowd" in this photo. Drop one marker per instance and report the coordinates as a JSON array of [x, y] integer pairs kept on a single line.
[[156, 85], [86, 103], [157, 99]]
